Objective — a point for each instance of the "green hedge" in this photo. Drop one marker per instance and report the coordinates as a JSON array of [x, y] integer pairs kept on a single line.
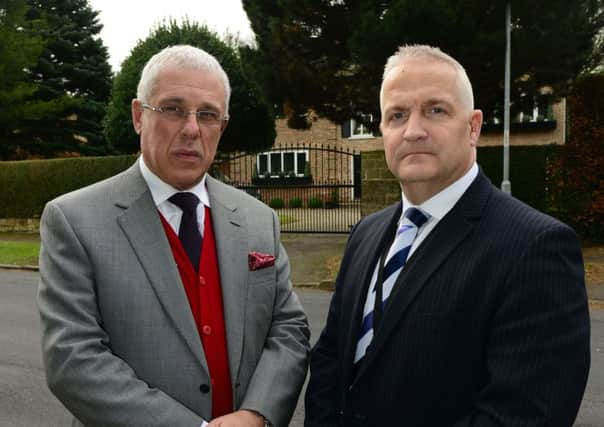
[[527, 171], [26, 186]]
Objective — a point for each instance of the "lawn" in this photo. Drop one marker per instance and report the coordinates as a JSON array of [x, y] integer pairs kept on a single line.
[[19, 252]]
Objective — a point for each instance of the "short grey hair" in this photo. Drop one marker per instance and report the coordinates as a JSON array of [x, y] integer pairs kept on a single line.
[[430, 52], [181, 56]]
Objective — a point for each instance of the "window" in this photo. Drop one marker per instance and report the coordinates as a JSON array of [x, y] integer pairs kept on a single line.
[[355, 129], [282, 163]]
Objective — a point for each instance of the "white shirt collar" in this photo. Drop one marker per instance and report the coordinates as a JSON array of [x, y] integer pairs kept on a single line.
[[162, 191], [442, 202]]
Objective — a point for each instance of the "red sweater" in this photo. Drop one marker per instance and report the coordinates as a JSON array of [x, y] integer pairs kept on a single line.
[[205, 299]]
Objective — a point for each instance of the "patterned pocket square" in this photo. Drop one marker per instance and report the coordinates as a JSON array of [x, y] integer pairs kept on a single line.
[[258, 260]]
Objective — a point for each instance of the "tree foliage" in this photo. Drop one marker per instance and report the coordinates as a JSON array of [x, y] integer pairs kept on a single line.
[[20, 47], [250, 126], [328, 55], [72, 75], [577, 175]]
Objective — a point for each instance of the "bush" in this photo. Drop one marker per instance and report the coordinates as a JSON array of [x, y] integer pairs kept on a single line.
[[528, 164], [576, 176], [314, 203], [334, 200], [276, 203], [295, 203], [28, 185]]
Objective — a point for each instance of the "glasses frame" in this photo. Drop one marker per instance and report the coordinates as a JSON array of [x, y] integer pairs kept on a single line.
[[183, 115]]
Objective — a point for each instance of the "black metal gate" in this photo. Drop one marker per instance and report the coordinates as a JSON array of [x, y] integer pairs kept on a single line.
[[313, 188]]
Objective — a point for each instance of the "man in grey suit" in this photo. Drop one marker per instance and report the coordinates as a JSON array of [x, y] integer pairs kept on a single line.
[[137, 330]]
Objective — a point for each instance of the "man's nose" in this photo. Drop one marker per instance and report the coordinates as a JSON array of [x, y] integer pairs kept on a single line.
[[190, 125], [415, 127]]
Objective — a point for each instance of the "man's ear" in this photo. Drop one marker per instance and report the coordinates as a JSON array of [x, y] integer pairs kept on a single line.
[[136, 109], [475, 127]]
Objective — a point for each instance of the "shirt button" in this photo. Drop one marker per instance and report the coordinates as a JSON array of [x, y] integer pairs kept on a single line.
[[206, 330], [202, 281]]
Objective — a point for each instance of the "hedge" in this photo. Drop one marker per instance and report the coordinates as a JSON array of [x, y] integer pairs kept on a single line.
[[26, 186], [528, 174]]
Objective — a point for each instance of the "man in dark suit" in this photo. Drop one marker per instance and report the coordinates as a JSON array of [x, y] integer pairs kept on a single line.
[[165, 296], [460, 306]]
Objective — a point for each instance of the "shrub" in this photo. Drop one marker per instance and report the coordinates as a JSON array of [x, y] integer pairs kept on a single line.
[[276, 203], [334, 199], [295, 203], [315, 203], [27, 185]]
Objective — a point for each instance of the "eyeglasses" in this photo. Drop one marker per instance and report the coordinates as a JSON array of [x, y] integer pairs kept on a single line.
[[177, 114]]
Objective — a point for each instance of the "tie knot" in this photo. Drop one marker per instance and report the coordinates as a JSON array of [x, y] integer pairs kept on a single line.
[[417, 217], [186, 201]]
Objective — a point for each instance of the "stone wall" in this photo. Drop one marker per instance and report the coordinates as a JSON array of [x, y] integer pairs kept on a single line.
[[379, 187], [19, 225]]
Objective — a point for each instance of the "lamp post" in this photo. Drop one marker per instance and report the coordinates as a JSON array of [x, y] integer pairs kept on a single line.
[[506, 185]]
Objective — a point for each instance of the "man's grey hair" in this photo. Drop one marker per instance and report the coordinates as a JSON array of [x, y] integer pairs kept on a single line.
[[180, 56], [429, 52]]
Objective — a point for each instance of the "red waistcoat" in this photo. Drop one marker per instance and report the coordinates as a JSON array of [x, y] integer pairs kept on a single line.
[[205, 299]]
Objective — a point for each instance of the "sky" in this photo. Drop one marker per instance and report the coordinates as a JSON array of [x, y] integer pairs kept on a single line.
[[125, 22]]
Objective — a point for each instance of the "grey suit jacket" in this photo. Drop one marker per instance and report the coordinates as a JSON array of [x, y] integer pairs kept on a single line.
[[119, 341]]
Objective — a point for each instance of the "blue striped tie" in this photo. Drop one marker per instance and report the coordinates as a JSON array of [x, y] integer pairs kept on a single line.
[[395, 261]]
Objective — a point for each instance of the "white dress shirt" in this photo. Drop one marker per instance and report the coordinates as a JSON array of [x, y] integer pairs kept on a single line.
[[439, 205], [162, 191]]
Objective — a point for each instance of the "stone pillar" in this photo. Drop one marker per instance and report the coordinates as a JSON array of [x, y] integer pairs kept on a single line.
[[379, 187]]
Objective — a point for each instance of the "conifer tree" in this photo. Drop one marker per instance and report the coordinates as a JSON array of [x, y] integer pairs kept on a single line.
[[73, 71]]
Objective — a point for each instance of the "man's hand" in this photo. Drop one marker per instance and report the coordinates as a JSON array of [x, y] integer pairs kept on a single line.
[[242, 418]]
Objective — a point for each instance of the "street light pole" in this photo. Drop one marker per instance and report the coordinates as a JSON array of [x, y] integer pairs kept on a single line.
[[506, 185]]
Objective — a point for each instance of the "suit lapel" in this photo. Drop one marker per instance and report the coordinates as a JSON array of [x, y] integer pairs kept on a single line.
[[442, 241], [142, 226], [370, 250], [230, 231]]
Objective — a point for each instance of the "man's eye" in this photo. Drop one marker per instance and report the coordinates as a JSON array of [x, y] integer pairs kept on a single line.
[[172, 110], [437, 110], [397, 117], [207, 116]]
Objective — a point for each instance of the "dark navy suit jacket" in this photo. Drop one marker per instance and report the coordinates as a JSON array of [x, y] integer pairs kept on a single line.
[[487, 325]]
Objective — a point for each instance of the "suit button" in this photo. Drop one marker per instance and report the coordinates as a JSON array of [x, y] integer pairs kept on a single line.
[[204, 388], [206, 329]]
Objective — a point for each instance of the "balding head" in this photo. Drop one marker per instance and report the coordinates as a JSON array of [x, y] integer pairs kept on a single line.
[[416, 51]]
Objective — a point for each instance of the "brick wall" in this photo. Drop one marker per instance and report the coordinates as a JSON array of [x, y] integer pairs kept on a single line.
[[325, 132]]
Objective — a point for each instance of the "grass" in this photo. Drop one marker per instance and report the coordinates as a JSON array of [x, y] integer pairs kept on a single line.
[[286, 219], [19, 252]]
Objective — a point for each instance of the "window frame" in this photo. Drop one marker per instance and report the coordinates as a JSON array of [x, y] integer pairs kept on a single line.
[[367, 134], [282, 153]]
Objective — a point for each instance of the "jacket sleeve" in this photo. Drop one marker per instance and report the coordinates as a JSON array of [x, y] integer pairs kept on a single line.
[[322, 393], [94, 384], [538, 352], [278, 376]]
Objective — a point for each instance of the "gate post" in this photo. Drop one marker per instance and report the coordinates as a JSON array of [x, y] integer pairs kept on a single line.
[[379, 187]]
